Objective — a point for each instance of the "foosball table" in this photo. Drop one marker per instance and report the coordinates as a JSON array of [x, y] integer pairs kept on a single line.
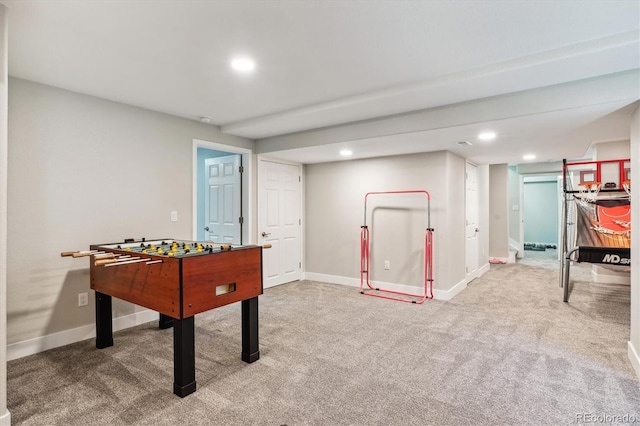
[[178, 279]]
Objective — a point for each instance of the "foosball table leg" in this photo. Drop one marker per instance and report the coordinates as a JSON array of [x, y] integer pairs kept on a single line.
[[104, 327], [184, 357], [165, 322], [250, 348]]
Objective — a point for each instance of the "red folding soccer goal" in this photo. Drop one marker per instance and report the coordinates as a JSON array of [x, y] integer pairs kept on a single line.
[[365, 245]]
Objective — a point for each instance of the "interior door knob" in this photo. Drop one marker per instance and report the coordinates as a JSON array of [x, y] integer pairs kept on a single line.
[[206, 228], [266, 234]]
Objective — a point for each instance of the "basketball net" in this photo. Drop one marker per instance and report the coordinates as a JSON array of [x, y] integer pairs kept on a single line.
[[627, 187], [589, 191]]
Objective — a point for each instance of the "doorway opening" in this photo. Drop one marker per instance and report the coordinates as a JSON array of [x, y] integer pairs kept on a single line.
[[221, 193], [541, 210]]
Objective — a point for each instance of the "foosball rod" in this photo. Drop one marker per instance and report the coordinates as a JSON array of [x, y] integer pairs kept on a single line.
[[148, 261], [228, 247], [80, 253], [106, 256], [101, 262], [112, 257]]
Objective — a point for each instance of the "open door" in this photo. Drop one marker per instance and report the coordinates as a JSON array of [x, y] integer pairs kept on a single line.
[[279, 221], [222, 195]]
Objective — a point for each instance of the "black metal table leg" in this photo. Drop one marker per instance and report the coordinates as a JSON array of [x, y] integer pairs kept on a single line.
[[184, 357], [250, 349], [165, 322], [104, 327]]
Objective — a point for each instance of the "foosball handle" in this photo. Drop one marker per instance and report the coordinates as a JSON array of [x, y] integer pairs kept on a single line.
[[81, 254], [104, 256], [101, 262], [266, 246], [67, 253]]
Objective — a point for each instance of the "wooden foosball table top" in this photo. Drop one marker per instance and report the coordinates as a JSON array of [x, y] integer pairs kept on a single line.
[[177, 278]]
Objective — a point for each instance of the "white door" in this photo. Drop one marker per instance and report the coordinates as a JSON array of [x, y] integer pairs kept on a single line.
[[471, 228], [222, 199], [279, 221]]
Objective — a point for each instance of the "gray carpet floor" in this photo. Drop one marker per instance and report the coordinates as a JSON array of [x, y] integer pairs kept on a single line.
[[505, 351]]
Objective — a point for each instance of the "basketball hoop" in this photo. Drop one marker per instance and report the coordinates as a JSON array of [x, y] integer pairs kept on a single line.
[[589, 191]]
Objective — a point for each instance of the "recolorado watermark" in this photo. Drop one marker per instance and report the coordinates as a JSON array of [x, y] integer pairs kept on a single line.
[[604, 418]]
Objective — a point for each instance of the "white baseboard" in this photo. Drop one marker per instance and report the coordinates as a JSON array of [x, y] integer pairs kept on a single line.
[[634, 357], [451, 293], [355, 282], [484, 269], [66, 337], [618, 278], [517, 246], [332, 279], [5, 419]]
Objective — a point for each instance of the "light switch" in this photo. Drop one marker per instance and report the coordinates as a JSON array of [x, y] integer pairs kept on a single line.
[[174, 216]]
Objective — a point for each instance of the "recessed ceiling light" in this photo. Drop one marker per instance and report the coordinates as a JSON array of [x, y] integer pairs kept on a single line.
[[487, 136], [243, 64], [464, 143], [529, 157], [346, 152], [205, 119]]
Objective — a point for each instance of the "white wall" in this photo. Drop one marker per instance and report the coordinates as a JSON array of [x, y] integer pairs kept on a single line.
[[5, 416], [611, 150], [485, 229], [85, 170], [334, 212], [634, 339], [499, 211]]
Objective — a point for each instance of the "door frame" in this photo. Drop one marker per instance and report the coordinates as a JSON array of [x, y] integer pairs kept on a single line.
[[521, 253], [247, 199], [266, 157]]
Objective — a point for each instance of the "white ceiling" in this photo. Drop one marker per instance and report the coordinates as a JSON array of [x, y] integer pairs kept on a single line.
[[327, 64]]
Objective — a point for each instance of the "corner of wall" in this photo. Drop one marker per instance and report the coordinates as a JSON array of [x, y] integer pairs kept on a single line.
[[498, 211], [5, 416]]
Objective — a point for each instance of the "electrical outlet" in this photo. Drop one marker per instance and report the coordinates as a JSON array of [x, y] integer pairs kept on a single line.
[[83, 299], [387, 265]]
